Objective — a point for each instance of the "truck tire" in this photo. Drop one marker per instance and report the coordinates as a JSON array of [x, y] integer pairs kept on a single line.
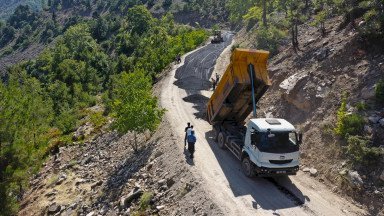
[[247, 167], [215, 134], [221, 140]]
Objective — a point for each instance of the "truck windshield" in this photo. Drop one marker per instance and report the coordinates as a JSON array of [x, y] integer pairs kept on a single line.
[[282, 142]]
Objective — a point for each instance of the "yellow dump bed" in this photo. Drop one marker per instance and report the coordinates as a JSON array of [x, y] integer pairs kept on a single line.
[[232, 99]]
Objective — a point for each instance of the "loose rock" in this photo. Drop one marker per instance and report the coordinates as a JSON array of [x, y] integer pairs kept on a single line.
[[160, 207], [62, 178], [162, 182], [96, 184], [374, 119], [355, 179], [91, 213], [381, 121], [134, 194], [313, 172], [53, 209]]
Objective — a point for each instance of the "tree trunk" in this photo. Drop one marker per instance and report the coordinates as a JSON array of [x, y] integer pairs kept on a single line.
[[265, 13], [135, 147], [322, 29], [294, 32]]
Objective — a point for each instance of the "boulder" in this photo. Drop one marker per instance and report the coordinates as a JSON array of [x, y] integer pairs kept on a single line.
[[53, 209], [62, 178], [313, 172], [368, 92], [134, 194], [374, 119], [162, 182], [296, 91], [160, 207], [322, 53], [104, 210], [306, 169], [355, 179], [381, 121]]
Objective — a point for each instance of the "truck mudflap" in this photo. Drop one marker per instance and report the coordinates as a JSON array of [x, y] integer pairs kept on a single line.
[[267, 172]]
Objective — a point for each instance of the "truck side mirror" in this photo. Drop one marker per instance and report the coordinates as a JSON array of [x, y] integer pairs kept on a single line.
[[253, 137]]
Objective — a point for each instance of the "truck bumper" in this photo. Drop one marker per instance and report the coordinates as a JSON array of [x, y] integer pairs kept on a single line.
[[265, 171]]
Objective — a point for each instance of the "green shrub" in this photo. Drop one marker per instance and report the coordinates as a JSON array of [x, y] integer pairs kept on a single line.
[[269, 38], [353, 124], [348, 124], [97, 119], [66, 121], [379, 91], [361, 106], [145, 200], [7, 51], [361, 153]]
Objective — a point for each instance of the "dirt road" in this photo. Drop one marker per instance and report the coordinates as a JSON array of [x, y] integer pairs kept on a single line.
[[184, 94]]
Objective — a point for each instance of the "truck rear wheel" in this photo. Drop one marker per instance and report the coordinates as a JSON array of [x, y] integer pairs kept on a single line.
[[247, 167], [221, 140]]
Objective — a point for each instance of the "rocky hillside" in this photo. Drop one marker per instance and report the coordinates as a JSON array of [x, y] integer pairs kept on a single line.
[[105, 177], [330, 79]]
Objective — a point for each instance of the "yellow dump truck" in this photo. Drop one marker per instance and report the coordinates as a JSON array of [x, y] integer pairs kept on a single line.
[[266, 146]]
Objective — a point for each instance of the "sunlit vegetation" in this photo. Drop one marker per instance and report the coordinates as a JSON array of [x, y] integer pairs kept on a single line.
[[42, 101]]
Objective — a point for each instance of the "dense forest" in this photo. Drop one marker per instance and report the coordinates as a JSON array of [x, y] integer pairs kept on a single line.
[[8, 6], [102, 52], [44, 100]]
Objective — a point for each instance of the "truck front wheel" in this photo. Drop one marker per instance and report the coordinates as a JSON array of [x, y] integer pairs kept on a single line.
[[247, 167], [221, 140]]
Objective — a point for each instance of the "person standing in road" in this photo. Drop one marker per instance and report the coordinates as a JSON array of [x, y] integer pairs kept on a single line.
[[178, 58], [217, 78], [191, 143], [186, 134], [213, 84], [189, 130]]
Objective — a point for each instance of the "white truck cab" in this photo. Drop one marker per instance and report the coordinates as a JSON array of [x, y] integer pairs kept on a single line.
[[271, 147]]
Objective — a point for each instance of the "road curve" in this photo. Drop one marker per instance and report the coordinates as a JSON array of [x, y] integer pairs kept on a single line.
[[184, 93]]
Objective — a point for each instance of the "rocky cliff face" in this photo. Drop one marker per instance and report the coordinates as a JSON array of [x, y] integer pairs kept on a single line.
[[307, 89]]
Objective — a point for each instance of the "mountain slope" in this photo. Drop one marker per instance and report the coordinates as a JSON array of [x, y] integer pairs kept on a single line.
[[309, 87], [8, 6]]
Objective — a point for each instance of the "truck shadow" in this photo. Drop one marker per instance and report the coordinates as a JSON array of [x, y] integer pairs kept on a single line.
[[267, 193], [199, 103]]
